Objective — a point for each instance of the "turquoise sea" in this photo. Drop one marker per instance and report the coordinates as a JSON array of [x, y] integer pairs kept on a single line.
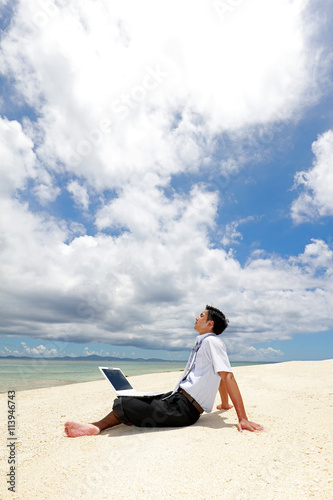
[[22, 375]]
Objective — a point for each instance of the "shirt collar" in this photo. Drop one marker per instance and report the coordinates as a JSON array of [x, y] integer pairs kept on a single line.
[[203, 336]]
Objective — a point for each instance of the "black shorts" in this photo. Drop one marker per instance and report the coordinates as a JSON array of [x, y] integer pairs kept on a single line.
[[155, 411]]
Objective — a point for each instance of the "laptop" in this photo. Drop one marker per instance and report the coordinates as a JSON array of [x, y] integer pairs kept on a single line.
[[121, 385]]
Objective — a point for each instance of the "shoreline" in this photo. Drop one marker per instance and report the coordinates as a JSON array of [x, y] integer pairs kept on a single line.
[[36, 373], [291, 459]]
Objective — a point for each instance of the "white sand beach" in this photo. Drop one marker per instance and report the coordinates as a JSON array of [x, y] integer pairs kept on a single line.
[[292, 459]]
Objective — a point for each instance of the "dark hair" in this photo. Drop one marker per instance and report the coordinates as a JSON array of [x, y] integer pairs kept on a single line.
[[220, 321]]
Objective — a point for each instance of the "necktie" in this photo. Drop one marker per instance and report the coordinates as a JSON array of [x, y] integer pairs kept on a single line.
[[190, 362]]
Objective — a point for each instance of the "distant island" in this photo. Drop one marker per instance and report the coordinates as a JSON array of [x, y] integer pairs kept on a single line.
[[95, 357], [90, 357]]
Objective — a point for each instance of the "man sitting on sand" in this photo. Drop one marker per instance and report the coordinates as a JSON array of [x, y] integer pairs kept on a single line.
[[208, 369]]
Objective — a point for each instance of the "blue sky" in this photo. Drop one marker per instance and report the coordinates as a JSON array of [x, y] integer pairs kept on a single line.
[[146, 171]]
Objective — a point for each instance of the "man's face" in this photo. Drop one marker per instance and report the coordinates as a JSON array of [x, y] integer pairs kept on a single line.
[[202, 325]]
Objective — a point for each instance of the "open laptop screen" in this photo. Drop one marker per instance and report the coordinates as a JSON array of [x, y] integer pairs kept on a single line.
[[117, 379]]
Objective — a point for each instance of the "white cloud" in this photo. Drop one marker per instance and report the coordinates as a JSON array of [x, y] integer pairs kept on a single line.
[[113, 105], [250, 353], [118, 354], [80, 194], [148, 211], [19, 164], [317, 257], [40, 351], [316, 200], [145, 288], [7, 352], [88, 352], [77, 229], [231, 235], [46, 193], [17, 157], [124, 105]]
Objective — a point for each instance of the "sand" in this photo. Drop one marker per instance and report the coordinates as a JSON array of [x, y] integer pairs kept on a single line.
[[292, 459]]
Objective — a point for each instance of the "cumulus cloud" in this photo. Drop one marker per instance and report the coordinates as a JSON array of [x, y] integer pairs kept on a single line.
[[39, 350], [113, 106], [79, 193], [250, 353], [46, 193], [18, 161], [317, 257], [144, 289], [123, 107], [316, 199], [231, 235], [88, 352]]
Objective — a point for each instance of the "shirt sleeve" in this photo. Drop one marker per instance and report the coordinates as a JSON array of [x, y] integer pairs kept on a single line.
[[215, 350]]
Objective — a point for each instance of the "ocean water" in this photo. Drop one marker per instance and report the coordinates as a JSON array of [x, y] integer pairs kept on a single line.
[[23, 375]]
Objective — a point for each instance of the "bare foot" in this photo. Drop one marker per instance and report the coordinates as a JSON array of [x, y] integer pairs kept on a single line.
[[224, 407], [75, 429]]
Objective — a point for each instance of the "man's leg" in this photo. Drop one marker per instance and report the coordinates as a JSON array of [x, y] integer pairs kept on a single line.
[[157, 411], [76, 429]]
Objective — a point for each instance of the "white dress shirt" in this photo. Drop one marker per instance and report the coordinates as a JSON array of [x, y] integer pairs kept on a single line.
[[203, 381]]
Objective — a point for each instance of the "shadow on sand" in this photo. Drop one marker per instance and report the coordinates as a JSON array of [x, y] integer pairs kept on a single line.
[[211, 421]]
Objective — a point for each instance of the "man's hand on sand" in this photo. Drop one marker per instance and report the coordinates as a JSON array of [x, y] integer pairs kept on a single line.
[[224, 407], [250, 426]]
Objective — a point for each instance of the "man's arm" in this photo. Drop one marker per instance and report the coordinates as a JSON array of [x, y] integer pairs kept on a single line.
[[235, 395], [224, 397]]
